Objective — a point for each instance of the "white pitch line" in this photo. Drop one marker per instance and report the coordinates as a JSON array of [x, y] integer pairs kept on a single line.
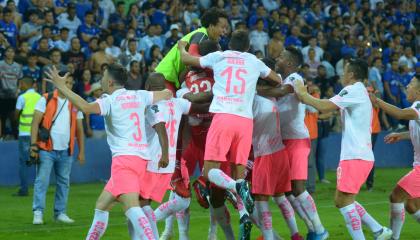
[[121, 224]]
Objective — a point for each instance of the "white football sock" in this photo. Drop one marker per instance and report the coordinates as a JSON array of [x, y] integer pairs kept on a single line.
[[308, 205], [183, 218], [172, 206], [301, 213], [367, 219], [416, 216], [140, 223], [152, 219], [353, 221], [222, 216], [222, 180], [213, 225], [169, 224], [99, 224], [131, 231], [241, 208], [397, 219], [264, 215], [288, 213]]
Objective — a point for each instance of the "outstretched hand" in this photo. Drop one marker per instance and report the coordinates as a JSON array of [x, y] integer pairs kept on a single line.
[[373, 99], [392, 138], [54, 77]]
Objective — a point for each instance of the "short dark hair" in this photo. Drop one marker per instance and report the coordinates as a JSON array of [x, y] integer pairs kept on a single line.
[[64, 29], [359, 68], [120, 3], [208, 46], [271, 63], [118, 73], [32, 54], [54, 50], [27, 80], [88, 13], [7, 10], [132, 40], [296, 55], [239, 41], [211, 17]]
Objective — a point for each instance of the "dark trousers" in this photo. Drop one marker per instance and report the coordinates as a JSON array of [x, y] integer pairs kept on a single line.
[[370, 179]]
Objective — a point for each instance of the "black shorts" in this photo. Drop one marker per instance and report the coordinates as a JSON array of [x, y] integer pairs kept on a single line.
[[7, 106]]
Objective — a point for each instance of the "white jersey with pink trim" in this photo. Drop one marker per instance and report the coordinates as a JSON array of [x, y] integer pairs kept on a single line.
[[356, 117], [170, 112], [123, 111], [266, 136], [292, 112], [415, 133], [235, 75]]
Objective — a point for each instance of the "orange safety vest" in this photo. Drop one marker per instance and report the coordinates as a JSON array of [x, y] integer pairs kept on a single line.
[[48, 118], [375, 124], [311, 122]]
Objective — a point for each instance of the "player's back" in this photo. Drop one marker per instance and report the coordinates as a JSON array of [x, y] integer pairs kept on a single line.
[[170, 112], [415, 133], [266, 138], [124, 121], [292, 112], [236, 75]]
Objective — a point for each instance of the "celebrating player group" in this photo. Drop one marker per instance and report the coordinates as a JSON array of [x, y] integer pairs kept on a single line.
[[244, 118]]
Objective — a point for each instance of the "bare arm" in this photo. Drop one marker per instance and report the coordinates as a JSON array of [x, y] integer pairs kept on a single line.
[[17, 115], [281, 91], [201, 97], [79, 102], [162, 95], [36, 121], [187, 58], [200, 107], [323, 105], [80, 141], [163, 140], [274, 78], [395, 112]]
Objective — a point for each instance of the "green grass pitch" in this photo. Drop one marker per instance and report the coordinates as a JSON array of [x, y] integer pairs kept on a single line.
[[16, 213]]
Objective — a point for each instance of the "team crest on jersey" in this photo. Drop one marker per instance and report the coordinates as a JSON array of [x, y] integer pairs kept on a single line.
[[343, 93], [155, 108]]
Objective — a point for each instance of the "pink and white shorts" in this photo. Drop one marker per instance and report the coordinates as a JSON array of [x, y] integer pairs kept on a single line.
[[127, 173], [411, 182], [229, 135], [298, 150], [156, 187], [352, 174], [271, 174]]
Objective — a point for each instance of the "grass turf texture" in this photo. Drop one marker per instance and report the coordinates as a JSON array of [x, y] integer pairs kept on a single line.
[[16, 213]]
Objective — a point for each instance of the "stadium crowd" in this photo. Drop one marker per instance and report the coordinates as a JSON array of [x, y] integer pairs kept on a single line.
[[84, 36]]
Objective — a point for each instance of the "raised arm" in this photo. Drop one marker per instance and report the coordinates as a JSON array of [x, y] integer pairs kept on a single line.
[[187, 58], [79, 102], [323, 105], [274, 77], [395, 112], [269, 91]]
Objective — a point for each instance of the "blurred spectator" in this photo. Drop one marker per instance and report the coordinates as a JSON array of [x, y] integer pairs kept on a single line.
[[326, 62], [98, 59], [260, 13], [313, 64], [83, 84], [117, 19], [24, 113], [55, 58], [271, 5], [334, 45], [70, 20], [322, 80], [135, 79], [32, 70], [149, 40], [160, 16], [259, 38], [349, 47], [10, 72], [91, 48], [43, 53], [130, 54], [111, 49], [75, 56], [17, 17], [9, 28], [190, 13], [408, 59], [22, 56], [155, 54], [88, 29], [392, 81], [95, 123], [173, 38], [375, 76], [293, 38], [235, 15], [64, 42], [58, 115], [275, 46], [319, 53], [31, 31]]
